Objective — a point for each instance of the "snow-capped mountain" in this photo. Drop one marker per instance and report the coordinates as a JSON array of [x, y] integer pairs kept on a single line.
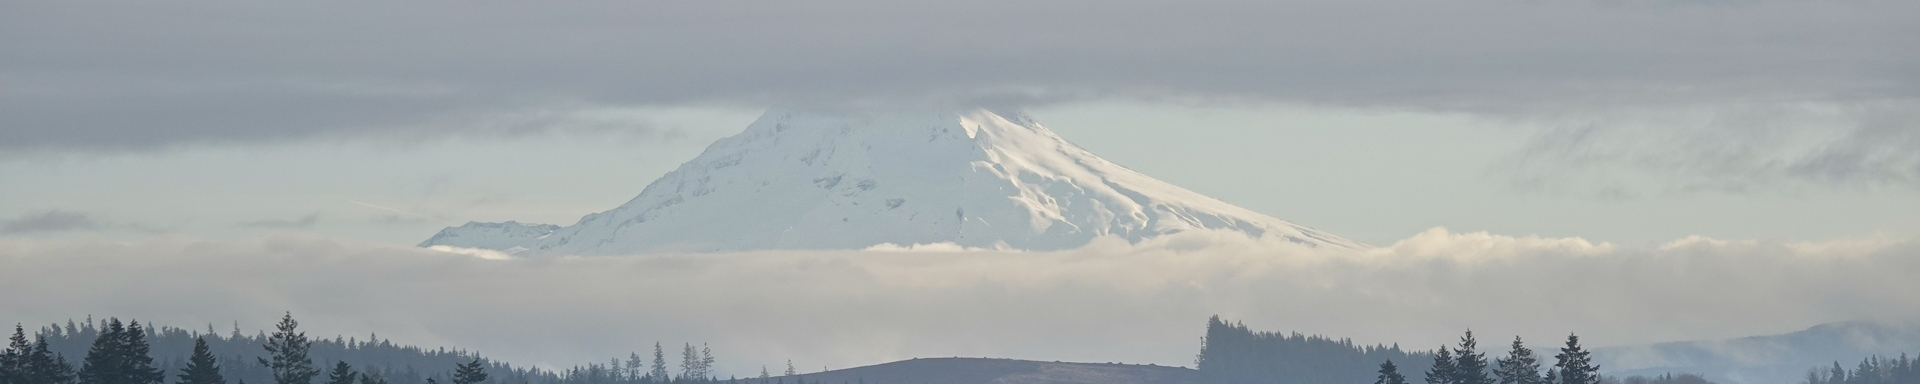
[[831, 179]]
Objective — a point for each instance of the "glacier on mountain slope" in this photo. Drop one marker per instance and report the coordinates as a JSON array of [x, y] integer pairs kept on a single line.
[[829, 179]]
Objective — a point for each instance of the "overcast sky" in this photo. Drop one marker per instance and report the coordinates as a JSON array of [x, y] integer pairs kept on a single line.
[[1633, 123]]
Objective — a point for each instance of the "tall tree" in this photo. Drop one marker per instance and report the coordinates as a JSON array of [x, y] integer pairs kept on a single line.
[[201, 367], [1469, 366], [790, 371], [45, 367], [472, 372], [689, 363], [13, 360], [1442, 371], [635, 366], [342, 374], [659, 372], [290, 364], [119, 355], [706, 362], [1575, 364], [1519, 367], [1390, 374]]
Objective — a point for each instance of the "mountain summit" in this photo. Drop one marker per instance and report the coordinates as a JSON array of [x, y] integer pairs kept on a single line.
[[850, 180]]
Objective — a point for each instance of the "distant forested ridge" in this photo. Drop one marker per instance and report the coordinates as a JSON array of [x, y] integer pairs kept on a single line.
[[242, 358], [1872, 370], [1233, 354]]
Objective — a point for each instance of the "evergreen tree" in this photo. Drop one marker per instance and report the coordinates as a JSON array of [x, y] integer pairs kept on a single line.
[[706, 362], [290, 364], [635, 367], [763, 373], [201, 368], [689, 363], [13, 360], [659, 372], [1469, 366], [1575, 365], [470, 373], [1390, 374], [790, 371], [1519, 367], [120, 356], [342, 374], [44, 367], [1442, 371], [372, 377]]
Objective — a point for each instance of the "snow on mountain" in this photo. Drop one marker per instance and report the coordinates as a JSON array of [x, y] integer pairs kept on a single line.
[[830, 179], [510, 237]]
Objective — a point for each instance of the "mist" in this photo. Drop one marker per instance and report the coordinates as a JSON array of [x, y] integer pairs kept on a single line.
[[1107, 301]]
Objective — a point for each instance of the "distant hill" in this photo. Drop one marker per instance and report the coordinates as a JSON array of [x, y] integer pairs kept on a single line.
[[996, 371], [1772, 359]]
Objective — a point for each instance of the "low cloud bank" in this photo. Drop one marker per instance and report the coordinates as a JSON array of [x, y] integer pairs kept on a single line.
[[1108, 301]]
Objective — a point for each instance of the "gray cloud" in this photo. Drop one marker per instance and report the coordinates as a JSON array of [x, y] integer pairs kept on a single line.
[[1735, 148], [110, 75], [301, 223], [50, 221], [1109, 301]]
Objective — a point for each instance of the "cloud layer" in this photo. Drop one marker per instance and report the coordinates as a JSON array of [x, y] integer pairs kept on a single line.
[[1109, 301], [115, 74]]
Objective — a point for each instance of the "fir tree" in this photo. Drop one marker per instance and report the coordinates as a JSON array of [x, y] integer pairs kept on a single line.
[[371, 377], [120, 356], [1390, 374], [659, 372], [471, 373], [706, 362], [1575, 365], [1469, 366], [790, 371], [635, 367], [44, 367], [1519, 367], [1442, 371], [342, 374], [290, 364], [201, 368], [13, 360], [689, 363]]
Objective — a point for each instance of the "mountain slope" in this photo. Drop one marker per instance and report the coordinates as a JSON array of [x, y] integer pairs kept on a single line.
[[827, 179], [1783, 358]]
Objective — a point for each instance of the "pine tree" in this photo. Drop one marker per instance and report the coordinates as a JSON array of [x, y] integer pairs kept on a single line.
[[790, 371], [1442, 371], [201, 367], [120, 356], [763, 373], [659, 372], [1390, 374], [1469, 366], [635, 367], [45, 367], [290, 364], [1575, 365], [470, 373], [371, 377], [342, 374], [13, 360], [689, 363], [1519, 367], [706, 362]]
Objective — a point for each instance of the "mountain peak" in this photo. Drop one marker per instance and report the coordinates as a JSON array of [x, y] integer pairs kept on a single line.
[[851, 179]]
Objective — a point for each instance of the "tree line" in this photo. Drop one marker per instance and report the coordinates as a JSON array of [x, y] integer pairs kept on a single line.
[[113, 352], [1464, 364], [1871, 370]]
